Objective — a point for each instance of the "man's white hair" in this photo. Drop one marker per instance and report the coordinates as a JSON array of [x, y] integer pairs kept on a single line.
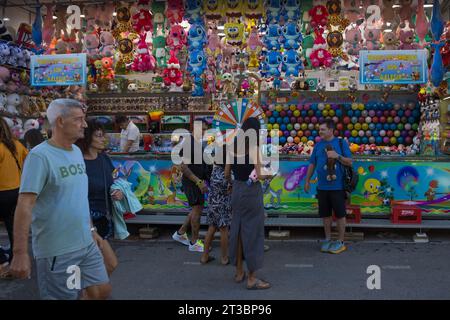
[[61, 108]]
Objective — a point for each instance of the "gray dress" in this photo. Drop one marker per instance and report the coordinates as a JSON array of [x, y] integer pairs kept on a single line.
[[248, 221]]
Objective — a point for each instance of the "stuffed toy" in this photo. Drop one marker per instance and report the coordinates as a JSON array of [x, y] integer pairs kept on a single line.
[[254, 47], [213, 9], [422, 24], [4, 77], [176, 39], [30, 124], [352, 12], [390, 41], [61, 21], [292, 64], [48, 28], [17, 127], [334, 16], [196, 63], [436, 23], [437, 67], [273, 37], [126, 49], [234, 33], [160, 51], [36, 31], [319, 16], [335, 42], [13, 100], [211, 82], [124, 23], [227, 55], [273, 63], [307, 47], [319, 55], [390, 17], [104, 14], [214, 46], [273, 11], [193, 11], [91, 44], [405, 12], [331, 165], [90, 15], [196, 36], [175, 11], [406, 37], [372, 37], [107, 44], [4, 32], [159, 17], [198, 87], [291, 10], [227, 83], [253, 9], [143, 61], [142, 20], [354, 40], [292, 37], [5, 52], [232, 8], [172, 74]]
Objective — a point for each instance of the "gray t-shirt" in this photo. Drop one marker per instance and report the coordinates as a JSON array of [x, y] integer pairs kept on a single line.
[[61, 218]]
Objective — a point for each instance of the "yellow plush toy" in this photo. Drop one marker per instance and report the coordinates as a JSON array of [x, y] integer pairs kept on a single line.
[[234, 33], [233, 8], [213, 9]]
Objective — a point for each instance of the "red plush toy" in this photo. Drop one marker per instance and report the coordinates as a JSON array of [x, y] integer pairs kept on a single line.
[[142, 20], [144, 61], [177, 38], [319, 55], [172, 73], [319, 16], [175, 11]]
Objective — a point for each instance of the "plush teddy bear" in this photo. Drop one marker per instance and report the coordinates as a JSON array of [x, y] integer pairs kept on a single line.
[[390, 41], [91, 44], [330, 166], [13, 100], [354, 40], [372, 37], [406, 38], [142, 20], [405, 12], [90, 15], [4, 77], [175, 11], [319, 16], [390, 16], [61, 21], [61, 47], [107, 44], [104, 15]]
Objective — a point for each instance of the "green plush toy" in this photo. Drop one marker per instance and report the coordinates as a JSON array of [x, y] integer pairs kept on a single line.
[[308, 43], [159, 16], [160, 51]]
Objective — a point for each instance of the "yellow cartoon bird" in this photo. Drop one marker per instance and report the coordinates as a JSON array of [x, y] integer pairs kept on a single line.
[[372, 187]]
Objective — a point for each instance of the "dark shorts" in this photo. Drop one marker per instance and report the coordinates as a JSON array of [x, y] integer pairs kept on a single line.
[[331, 200], [193, 194]]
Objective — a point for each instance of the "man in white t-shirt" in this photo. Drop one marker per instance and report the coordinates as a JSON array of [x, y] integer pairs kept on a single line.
[[130, 135]]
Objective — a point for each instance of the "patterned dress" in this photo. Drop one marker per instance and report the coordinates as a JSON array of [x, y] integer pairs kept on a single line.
[[219, 201]]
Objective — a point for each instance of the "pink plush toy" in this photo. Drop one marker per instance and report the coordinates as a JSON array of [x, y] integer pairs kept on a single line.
[[91, 43], [351, 10], [372, 37], [48, 29], [175, 11], [319, 16], [176, 39], [405, 11], [4, 77], [406, 37], [422, 23], [254, 46], [172, 73], [142, 20], [144, 61], [107, 44], [211, 81], [353, 39], [319, 55], [214, 46]]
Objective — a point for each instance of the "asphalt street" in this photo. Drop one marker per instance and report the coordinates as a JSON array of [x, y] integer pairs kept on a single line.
[[164, 269]]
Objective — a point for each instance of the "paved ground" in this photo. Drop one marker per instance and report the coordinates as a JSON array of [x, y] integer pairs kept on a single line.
[[162, 269]]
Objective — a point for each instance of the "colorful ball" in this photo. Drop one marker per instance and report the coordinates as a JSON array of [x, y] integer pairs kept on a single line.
[[306, 107], [282, 113], [339, 113], [340, 126], [304, 126], [307, 133], [378, 140], [400, 140], [268, 113], [390, 133], [365, 126], [316, 126], [371, 139], [290, 139], [304, 139], [415, 126], [397, 119], [289, 113], [375, 133], [365, 140], [350, 113], [393, 113], [314, 120], [397, 106], [354, 133], [307, 120], [357, 126], [407, 113], [325, 113], [368, 133], [300, 107], [354, 119], [361, 106], [286, 120], [296, 113], [292, 107], [404, 120], [400, 113], [386, 140], [327, 106], [408, 126], [272, 120], [289, 127], [296, 140], [279, 120], [314, 106], [317, 139], [297, 126], [346, 120], [354, 106], [276, 126], [286, 133], [372, 126], [386, 113], [368, 119], [397, 133], [311, 126], [382, 119], [293, 133], [393, 140], [282, 140], [400, 126], [321, 106], [283, 127], [304, 113], [269, 127], [404, 133], [300, 133], [375, 119], [357, 113], [271, 107], [411, 120], [335, 119], [390, 120], [293, 119], [408, 140], [350, 126], [347, 133], [331, 113], [382, 133], [285, 107], [361, 133], [357, 140], [278, 107], [379, 113], [411, 133], [311, 113], [299, 120]]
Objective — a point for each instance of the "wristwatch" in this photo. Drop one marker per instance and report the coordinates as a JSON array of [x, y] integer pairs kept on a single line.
[[93, 229]]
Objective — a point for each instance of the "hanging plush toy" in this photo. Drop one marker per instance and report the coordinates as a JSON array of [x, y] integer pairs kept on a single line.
[[291, 10], [193, 11], [107, 44], [372, 37], [273, 11], [176, 39], [406, 11], [160, 51], [390, 17], [172, 74], [274, 36], [406, 37], [273, 63], [319, 55], [175, 11], [214, 46], [253, 9], [319, 16], [213, 9], [198, 87], [126, 49], [437, 67], [196, 63], [292, 64], [143, 61], [334, 16], [142, 20], [234, 33], [124, 24], [335, 41], [48, 30], [61, 21], [422, 24], [254, 47], [390, 41], [354, 40], [91, 44], [36, 33], [159, 18], [233, 8], [437, 23], [292, 36], [196, 36], [352, 12]]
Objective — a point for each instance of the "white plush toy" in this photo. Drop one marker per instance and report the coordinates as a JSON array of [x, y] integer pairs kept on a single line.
[[30, 124], [17, 128], [13, 101]]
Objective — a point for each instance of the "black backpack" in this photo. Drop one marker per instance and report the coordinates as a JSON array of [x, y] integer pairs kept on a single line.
[[351, 177]]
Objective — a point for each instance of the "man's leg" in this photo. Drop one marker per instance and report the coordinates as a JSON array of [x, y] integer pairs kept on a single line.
[[327, 227], [341, 228], [187, 222], [239, 277], [195, 222], [99, 292]]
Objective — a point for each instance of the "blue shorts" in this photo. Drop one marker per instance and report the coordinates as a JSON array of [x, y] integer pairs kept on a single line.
[[63, 277]]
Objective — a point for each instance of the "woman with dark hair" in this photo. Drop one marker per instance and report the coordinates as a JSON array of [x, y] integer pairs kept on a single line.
[[99, 170], [247, 223], [32, 138], [12, 157]]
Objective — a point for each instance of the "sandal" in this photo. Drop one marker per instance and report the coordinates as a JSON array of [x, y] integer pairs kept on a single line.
[[239, 280], [259, 285], [210, 258], [225, 262], [5, 274]]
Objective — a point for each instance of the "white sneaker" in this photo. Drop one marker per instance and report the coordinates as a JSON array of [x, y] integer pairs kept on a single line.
[[196, 247], [183, 238]]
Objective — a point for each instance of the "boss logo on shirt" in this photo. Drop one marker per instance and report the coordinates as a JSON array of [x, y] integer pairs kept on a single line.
[[72, 170]]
